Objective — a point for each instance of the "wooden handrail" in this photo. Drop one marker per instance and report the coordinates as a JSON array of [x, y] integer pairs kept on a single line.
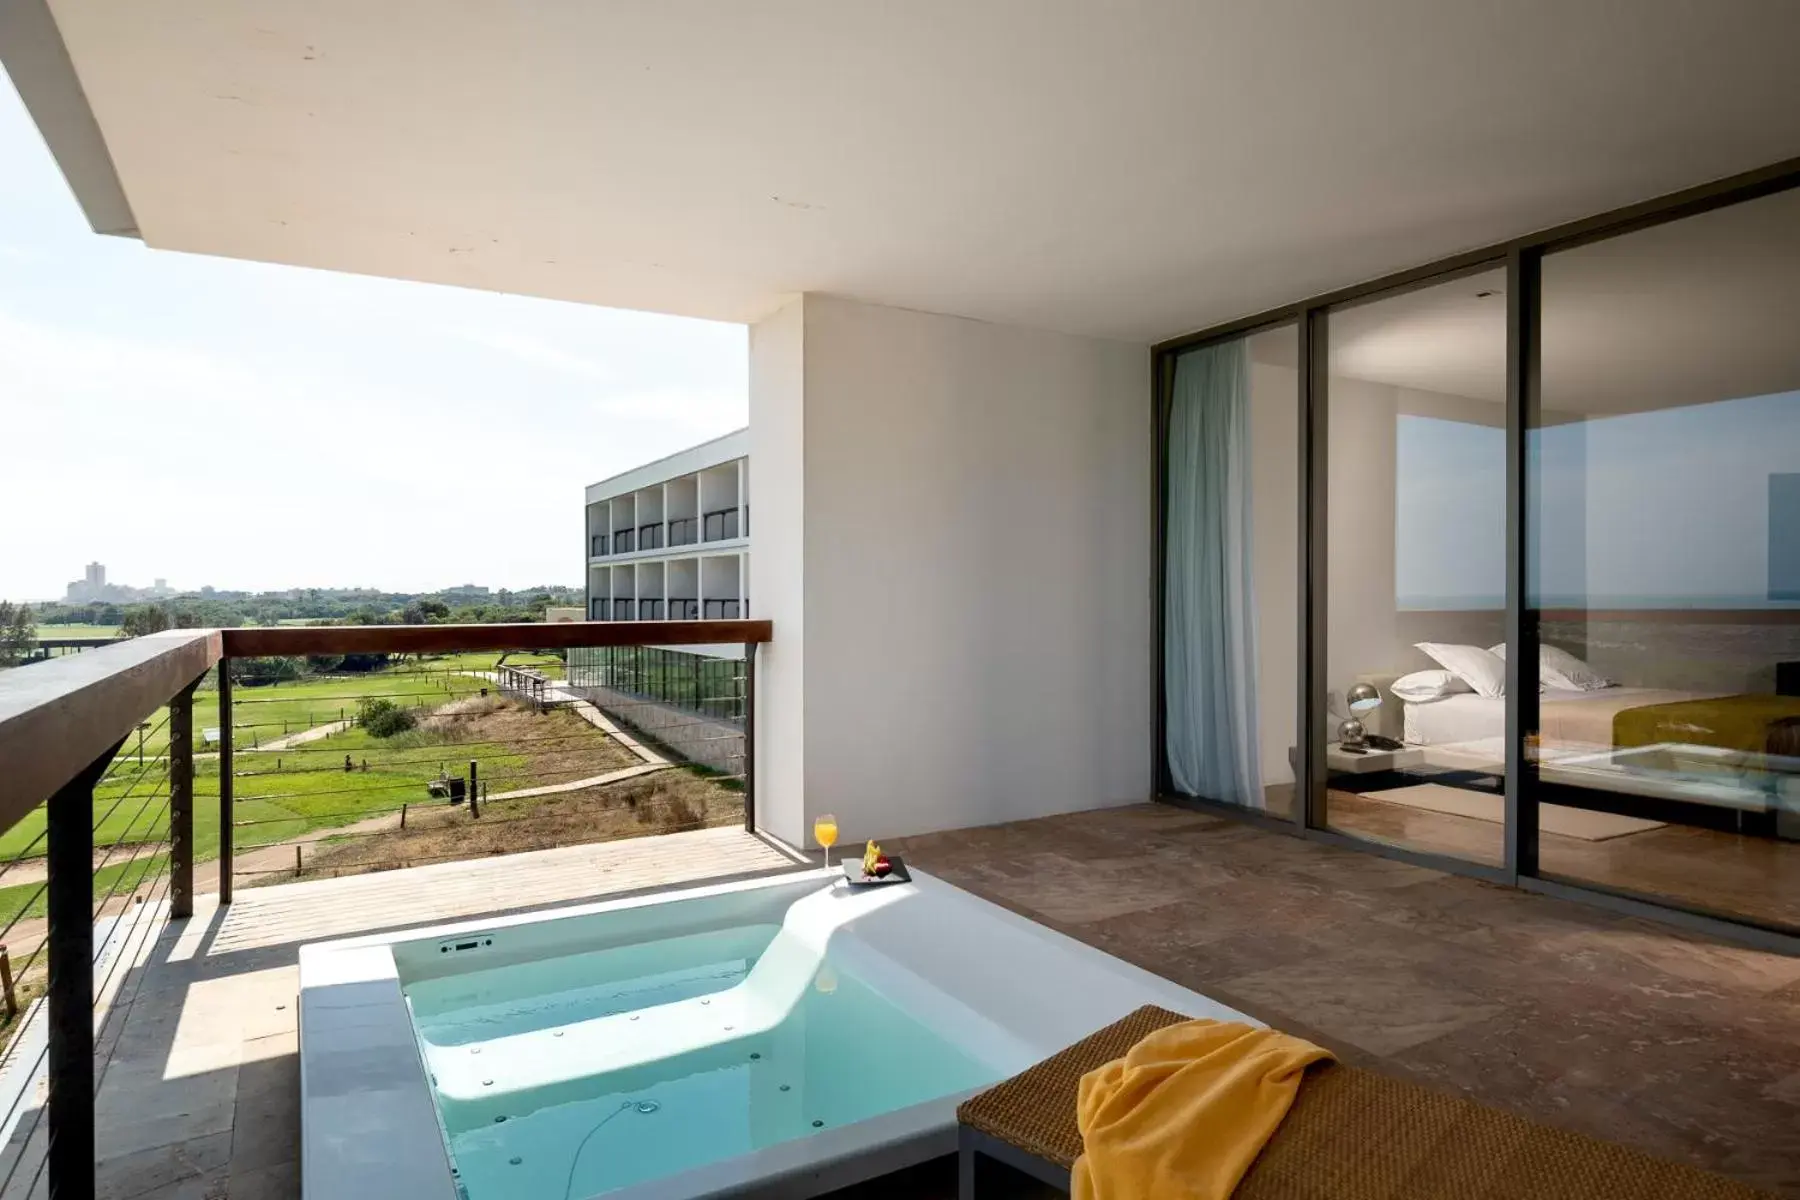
[[58, 717], [448, 639]]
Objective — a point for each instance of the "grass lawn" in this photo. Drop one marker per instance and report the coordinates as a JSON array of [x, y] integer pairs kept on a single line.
[[485, 660], [282, 794], [77, 631], [264, 712]]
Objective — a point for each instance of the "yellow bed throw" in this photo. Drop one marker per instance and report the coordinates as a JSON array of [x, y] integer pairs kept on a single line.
[[1186, 1111]]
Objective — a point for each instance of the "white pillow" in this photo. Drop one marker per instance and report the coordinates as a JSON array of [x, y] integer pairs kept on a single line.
[[1422, 687], [1558, 668], [1480, 669]]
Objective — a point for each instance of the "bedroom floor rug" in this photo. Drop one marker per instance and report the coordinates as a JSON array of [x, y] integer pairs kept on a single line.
[[1552, 818]]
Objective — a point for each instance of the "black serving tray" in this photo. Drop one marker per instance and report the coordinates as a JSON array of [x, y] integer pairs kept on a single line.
[[854, 876]]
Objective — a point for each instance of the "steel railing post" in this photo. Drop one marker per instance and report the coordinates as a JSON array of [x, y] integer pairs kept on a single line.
[[69, 891], [181, 802], [750, 737], [226, 784]]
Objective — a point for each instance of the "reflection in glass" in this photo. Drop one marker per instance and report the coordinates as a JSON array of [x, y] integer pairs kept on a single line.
[[1665, 525], [1415, 483]]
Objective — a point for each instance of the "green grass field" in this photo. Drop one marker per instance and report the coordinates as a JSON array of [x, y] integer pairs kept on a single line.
[[283, 793], [77, 631]]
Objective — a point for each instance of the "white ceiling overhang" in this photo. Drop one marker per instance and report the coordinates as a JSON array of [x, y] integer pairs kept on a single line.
[[1132, 170]]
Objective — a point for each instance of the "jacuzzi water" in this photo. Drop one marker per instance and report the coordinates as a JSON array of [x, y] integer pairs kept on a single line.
[[574, 1075]]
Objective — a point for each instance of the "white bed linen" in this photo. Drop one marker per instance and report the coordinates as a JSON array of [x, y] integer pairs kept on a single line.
[[1471, 718]]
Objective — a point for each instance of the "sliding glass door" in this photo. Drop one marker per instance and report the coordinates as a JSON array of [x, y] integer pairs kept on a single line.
[[1501, 561], [1665, 508], [1412, 730]]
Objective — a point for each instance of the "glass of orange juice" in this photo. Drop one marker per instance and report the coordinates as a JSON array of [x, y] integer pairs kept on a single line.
[[825, 832]]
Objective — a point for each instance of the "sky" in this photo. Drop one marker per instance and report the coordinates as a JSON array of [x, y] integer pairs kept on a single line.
[[261, 427], [1675, 507]]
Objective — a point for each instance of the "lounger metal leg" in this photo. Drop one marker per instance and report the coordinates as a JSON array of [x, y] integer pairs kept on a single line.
[[991, 1167]]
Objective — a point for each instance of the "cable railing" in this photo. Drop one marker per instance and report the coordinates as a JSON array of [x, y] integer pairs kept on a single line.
[[126, 768]]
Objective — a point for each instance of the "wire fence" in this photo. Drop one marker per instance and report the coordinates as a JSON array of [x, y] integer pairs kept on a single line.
[[132, 876]]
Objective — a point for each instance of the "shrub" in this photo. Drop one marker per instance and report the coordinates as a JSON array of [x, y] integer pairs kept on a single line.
[[383, 718]]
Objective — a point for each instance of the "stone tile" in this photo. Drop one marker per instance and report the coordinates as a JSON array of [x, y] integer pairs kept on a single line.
[[266, 1124], [278, 1181], [214, 1185], [1381, 1012], [126, 1177], [1073, 892]]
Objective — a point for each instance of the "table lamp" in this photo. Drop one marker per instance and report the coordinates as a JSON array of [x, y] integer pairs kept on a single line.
[[1362, 699]]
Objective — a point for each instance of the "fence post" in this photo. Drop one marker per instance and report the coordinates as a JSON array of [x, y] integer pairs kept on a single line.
[[226, 786], [69, 858], [181, 802], [749, 737], [474, 804], [6, 983]]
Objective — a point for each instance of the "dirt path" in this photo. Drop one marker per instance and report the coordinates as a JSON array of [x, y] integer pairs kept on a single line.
[[298, 739], [577, 785]]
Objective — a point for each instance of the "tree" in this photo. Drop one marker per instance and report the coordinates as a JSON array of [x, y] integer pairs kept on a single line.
[[145, 618], [18, 634]]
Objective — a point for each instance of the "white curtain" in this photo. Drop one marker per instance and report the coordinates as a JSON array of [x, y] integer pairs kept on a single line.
[[1209, 648]]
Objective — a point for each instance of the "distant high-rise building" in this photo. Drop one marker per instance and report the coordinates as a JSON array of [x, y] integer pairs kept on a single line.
[[96, 575], [162, 585]]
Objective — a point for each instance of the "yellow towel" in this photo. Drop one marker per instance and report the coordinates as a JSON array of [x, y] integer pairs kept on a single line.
[[1186, 1111]]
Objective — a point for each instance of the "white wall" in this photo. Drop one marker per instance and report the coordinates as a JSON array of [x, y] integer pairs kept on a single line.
[[778, 444], [953, 528]]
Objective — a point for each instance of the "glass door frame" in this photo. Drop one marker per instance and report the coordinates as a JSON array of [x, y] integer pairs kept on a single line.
[[1523, 259]]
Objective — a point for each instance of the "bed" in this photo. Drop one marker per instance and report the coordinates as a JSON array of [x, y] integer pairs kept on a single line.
[[1718, 751], [1574, 720]]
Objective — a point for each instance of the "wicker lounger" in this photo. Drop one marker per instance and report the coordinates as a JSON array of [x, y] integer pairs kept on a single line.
[[1351, 1135]]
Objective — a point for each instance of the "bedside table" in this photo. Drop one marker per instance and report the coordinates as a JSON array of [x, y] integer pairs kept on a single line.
[[1341, 762]]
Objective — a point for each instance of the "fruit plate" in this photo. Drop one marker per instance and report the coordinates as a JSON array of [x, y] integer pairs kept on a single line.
[[854, 876]]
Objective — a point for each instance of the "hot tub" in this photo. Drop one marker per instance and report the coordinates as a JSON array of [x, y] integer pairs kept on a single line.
[[788, 1035]]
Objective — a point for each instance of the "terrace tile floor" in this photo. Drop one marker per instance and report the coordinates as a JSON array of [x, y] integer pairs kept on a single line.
[[1621, 1028]]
